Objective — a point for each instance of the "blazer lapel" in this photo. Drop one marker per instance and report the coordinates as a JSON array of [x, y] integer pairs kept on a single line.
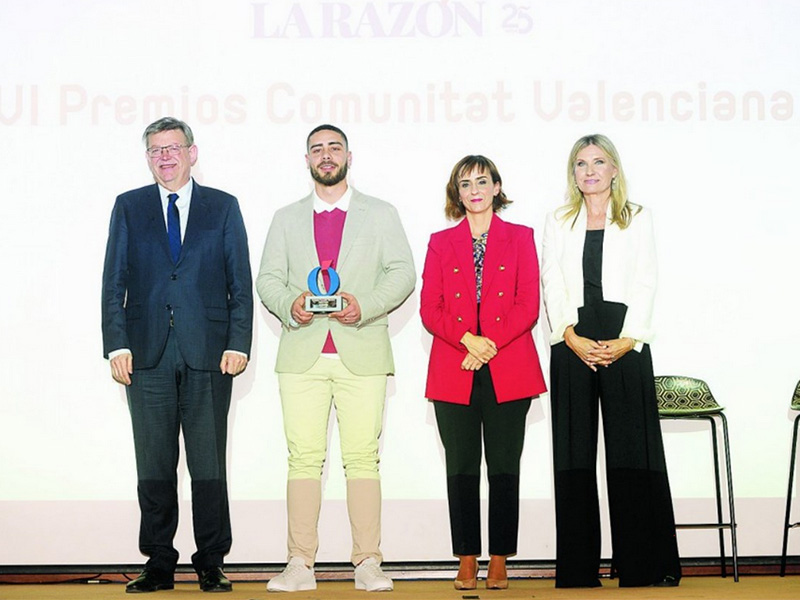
[[353, 223], [154, 212], [495, 250], [461, 241], [575, 236], [199, 217], [305, 232]]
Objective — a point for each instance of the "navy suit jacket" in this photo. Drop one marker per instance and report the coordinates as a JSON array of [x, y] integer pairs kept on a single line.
[[208, 293]]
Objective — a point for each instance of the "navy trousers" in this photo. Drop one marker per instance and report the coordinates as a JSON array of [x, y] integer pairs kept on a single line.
[[164, 400]]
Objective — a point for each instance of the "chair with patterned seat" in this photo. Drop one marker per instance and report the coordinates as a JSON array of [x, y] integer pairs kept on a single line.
[[787, 525], [688, 398]]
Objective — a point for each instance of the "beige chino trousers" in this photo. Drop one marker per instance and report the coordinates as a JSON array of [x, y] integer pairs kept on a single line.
[[307, 399]]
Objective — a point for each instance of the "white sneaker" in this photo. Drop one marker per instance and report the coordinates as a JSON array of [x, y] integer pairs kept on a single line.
[[370, 577], [296, 577]]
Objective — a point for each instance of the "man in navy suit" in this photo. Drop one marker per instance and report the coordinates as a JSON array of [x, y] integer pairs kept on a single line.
[[177, 325]]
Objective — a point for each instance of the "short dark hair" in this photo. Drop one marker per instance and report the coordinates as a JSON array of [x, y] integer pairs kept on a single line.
[[453, 209], [169, 124], [327, 127]]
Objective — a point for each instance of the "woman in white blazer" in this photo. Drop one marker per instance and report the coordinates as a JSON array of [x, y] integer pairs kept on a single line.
[[599, 277]]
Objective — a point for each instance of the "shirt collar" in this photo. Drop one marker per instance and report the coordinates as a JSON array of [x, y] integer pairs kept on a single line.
[[342, 203], [184, 194]]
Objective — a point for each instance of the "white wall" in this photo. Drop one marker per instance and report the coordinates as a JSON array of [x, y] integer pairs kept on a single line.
[[698, 97]]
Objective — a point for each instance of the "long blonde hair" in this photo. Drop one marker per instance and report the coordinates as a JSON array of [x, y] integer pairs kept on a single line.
[[622, 210]]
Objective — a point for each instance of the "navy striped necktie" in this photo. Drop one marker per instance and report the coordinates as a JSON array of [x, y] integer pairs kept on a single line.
[[174, 227]]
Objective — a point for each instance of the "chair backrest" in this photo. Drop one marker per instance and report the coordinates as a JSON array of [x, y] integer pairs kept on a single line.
[[796, 397], [684, 396]]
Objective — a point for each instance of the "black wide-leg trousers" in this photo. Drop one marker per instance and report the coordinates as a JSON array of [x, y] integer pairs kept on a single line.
[[500, 429], [640, 504], [163, 401]]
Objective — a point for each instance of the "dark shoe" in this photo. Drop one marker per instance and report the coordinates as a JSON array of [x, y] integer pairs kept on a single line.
[[668, 581], [214, 580], [151, 580]]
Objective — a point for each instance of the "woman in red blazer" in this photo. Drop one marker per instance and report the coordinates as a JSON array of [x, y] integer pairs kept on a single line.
[[480, 300]]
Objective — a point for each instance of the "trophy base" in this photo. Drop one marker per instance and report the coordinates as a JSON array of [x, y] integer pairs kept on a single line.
[[324, 304]]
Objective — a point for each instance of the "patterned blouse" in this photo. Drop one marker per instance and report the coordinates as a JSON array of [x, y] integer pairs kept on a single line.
[[478, 252]]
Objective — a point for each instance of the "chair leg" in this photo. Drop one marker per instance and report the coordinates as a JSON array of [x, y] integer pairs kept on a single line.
[[786, 522], [718, 489], [721, 524], [731, 508]]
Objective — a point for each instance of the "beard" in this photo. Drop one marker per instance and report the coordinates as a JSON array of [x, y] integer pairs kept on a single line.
[[329, 179]]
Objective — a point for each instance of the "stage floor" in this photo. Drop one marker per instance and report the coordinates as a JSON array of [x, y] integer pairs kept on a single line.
[[692, 588]]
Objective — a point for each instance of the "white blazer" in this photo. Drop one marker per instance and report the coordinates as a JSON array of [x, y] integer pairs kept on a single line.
[[630, 272]]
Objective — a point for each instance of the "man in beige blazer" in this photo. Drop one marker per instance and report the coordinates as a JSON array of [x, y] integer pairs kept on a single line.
[[341, 358]]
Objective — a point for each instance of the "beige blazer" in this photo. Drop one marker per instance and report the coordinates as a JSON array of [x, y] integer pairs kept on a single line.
[[375, 265], [630, 273]]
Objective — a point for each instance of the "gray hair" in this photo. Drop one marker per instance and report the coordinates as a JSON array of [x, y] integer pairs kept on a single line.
[[169, 124]]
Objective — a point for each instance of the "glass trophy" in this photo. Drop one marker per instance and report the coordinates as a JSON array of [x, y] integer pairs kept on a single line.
[[323, 301]]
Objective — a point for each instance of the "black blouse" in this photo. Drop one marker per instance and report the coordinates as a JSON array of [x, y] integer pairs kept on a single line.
[[593, 267]]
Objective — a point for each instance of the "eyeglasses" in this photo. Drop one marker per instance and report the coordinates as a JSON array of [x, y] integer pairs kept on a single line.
[[172, 150]]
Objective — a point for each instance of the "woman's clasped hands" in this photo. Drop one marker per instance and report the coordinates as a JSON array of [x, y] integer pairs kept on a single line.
[[480, 350], [597, 353]]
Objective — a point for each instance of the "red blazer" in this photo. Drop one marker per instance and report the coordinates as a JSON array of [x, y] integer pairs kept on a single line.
[[509, 310]]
